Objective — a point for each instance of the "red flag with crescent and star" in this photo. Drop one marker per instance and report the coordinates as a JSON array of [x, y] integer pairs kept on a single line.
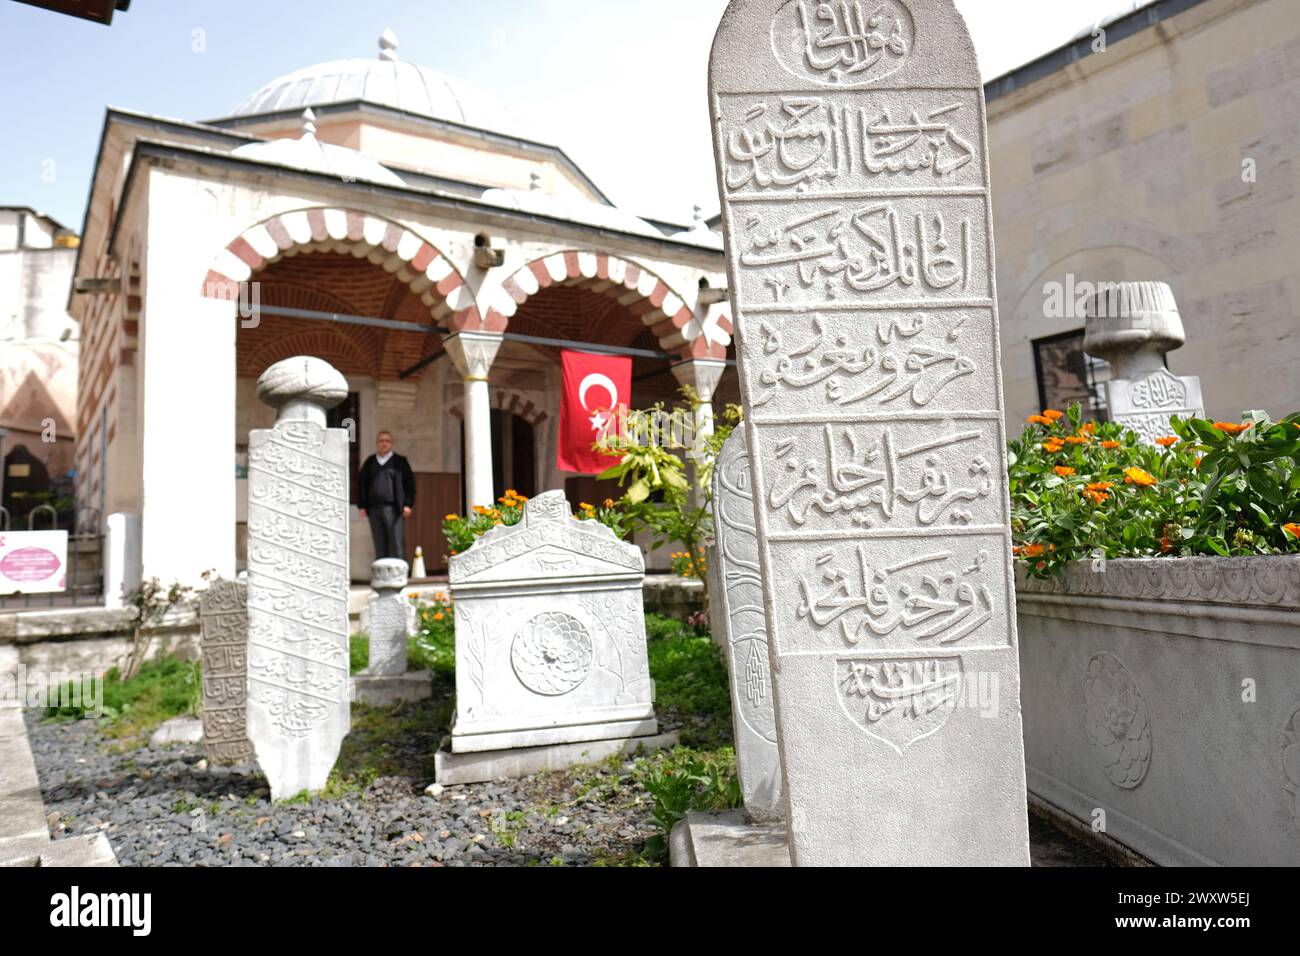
[[595, 386]]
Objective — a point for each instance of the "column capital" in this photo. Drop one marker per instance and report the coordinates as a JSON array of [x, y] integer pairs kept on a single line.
[[702, 374], [473, 352]]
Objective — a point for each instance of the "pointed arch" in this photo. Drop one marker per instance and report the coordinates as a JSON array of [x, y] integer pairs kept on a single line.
[[383, 242], [643, 293]]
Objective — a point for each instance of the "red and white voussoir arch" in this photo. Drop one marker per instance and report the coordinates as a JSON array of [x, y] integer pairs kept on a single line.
[[642, 292], [381, 241]]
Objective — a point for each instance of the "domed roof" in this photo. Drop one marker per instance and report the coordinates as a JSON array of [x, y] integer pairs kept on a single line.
[[386, 81]]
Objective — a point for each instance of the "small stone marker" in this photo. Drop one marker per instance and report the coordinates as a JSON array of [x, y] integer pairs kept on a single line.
[[550, 644], [853, 172], [1132, 325], [223, 628], [736, 596], [389, 622], [298, 686]]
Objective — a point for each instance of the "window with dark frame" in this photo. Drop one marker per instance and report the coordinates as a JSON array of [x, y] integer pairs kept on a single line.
[[1067, 374]]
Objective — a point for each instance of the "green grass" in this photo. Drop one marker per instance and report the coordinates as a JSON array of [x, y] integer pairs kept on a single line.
[[690, 682], [133, 709]]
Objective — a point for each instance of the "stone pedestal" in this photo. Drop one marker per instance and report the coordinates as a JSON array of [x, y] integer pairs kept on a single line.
[[853, 174], [298, 687], [1133, 325], [385, 679], [736, 615], [550, 636]]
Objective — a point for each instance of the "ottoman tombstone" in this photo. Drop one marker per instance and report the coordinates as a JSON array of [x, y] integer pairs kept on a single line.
[[223, 628], [550, 641], [1132, 325], [853, 173], [736, 613], [298, 687], [389, 620]]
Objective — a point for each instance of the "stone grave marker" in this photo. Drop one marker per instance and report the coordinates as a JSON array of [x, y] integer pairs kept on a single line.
[[853, 172], [1132, 325], [550, 647], [298, 685], [736, 596], [389, 620], [223, 629]]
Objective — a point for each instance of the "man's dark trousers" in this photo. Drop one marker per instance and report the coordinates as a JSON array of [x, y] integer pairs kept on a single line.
[[388, 531]]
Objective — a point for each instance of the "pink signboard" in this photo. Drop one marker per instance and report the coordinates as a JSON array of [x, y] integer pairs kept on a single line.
[[33, 561]]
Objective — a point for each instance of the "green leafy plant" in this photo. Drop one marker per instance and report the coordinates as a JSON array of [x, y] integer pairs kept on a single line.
[[433, 648], [686, 781], [1080, 489], [152, 602]]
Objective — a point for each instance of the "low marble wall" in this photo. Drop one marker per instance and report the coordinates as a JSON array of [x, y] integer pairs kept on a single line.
[[672, 596], [1165, 695]]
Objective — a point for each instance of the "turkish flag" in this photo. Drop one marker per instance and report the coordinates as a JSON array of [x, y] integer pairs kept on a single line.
[[595, 386]]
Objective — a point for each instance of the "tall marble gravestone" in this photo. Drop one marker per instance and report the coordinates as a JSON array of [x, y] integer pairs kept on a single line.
[[298, 688], [550, 645], [736, 596], [1132, 325], [223, 641], [853, 173]]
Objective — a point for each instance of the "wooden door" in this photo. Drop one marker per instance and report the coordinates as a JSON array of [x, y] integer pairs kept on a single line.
[[437, 494]]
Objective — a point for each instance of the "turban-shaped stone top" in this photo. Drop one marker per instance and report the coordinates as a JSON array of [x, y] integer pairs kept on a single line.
[[303, 378], [1131, 316]]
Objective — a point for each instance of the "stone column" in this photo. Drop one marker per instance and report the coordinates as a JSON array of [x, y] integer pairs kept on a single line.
[[1132, 325], [861, 271], [473, 354], [703, 376], [298, 686], [389, 622], [223, 636]]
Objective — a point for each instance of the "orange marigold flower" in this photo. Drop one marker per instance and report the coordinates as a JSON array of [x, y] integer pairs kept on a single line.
[[1075, 439], [439, 616], [1053, 445], [1038, 420], [1197, 463], [1136, 476], [1097, 497], [1292, 529], [1052, 414], [1089, 427], [1033, 550], [1232, 428], [1167, 441], [1110, 443], [1099, 486], [1064, 471], [1165, 544], [609, 502], [451, 517]]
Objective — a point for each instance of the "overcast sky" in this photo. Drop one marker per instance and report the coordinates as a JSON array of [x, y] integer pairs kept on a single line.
[[619, 84]]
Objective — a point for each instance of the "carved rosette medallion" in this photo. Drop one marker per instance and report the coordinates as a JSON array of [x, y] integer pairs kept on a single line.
[[552, 653], [1116, 720]]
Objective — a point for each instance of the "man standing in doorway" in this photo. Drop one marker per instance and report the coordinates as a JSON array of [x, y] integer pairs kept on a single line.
[[386, 494]]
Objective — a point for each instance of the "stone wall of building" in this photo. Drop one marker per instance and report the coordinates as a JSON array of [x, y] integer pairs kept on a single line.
[[1128, 164]]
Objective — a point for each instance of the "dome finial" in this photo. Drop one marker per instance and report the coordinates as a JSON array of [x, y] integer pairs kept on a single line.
[[388, 45], [308, 122]]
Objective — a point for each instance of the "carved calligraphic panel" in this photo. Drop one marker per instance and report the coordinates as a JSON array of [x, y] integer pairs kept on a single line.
[[880, 475], [923, 360], [842, 42], [926, 592], [850, 142], [736, 607], [1146, 404], [388, 620], [847, 143], [223, 630], [870, 252], [298, 690]]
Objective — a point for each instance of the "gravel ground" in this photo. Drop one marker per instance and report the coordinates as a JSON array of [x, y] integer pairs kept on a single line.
[[164, 806]]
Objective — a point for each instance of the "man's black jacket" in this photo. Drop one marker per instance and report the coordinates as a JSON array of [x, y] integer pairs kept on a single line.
[[392, 483]]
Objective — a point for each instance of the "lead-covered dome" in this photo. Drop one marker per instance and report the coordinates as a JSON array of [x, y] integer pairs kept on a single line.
[[385, 81]]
